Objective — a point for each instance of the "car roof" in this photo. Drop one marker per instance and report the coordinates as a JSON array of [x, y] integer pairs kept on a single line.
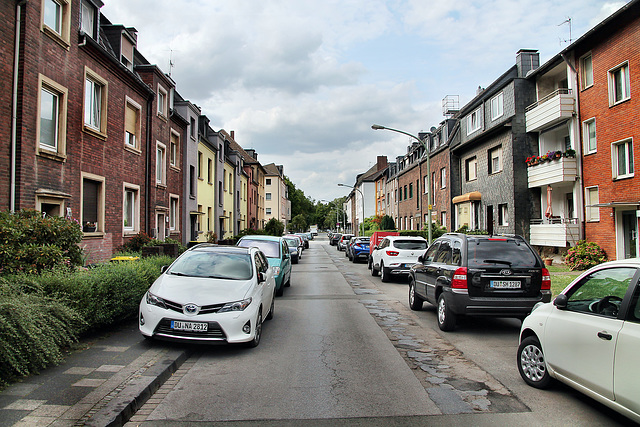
[[261, 237], [404, 237], [209, 247]]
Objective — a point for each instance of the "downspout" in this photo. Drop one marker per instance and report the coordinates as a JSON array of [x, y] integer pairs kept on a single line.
[[14, 108], [147, 166]]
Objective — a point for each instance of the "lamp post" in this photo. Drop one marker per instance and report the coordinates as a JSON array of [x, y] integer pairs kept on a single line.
[[361, 195], [426, 150]]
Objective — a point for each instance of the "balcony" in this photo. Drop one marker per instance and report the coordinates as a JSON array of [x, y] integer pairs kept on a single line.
[[554, 108], [564, 169], [557, 232]]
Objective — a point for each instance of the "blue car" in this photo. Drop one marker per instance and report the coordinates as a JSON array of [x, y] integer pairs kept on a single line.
[[358, 249], [277, 252]]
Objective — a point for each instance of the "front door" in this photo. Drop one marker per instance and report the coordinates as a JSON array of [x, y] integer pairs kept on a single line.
[[630, 233], [490, 219], [160, 226]]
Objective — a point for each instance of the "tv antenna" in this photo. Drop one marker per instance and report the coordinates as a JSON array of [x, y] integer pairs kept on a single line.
[[566, 21]]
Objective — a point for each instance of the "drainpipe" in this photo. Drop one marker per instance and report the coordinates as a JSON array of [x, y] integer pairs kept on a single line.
[[14, 107]]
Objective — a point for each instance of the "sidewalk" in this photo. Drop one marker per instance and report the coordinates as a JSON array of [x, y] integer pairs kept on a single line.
[[103, 384]]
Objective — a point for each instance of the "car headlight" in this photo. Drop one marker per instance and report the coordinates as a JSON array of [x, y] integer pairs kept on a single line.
[[155, 300], [236, 306], [276, 271]]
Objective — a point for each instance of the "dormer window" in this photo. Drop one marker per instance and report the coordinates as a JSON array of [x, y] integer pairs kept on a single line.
[[126, 54], [88, 19]]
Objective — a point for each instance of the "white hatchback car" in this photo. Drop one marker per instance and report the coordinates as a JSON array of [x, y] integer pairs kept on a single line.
[[395, 255], [589, 337], [210, 294]]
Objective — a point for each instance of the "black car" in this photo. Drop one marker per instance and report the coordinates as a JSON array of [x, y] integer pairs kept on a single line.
[[482, 275], [335, 237]]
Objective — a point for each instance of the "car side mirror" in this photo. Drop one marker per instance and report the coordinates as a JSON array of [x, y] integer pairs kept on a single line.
[[561, 302], [163, 269], [261, 277], [421, 259]]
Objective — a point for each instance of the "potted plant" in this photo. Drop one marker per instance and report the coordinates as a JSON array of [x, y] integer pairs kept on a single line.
[[548, 261], [89, 227], [570, 153]]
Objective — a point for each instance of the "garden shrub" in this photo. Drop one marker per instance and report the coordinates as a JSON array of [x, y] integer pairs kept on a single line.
[[135, 243], [584, 255]]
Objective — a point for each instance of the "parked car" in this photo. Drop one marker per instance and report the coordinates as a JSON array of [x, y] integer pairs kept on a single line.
[[343, 241], [305, 238], [375, 240], [395, 255], [358, 248], [277, 252], [463, 274], [333, 241], [211, 294], [589, 337], [295, 248]]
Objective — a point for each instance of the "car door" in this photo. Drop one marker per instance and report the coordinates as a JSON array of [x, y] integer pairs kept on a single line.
[[286, 261], [580, 341], [424, 272], [377, 253], [626, 380]]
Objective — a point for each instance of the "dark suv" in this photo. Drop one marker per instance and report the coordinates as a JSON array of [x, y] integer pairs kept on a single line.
[[462, 274]]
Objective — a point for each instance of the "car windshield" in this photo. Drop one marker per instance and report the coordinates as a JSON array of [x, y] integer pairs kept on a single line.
[[214, 265], [270, 248], [410, 244], [293, 243], [506, 252]]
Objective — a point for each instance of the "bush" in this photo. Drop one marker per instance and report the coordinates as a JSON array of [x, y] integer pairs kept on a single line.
[[31, 242], [135, 244], [274, 227], [584, 255]]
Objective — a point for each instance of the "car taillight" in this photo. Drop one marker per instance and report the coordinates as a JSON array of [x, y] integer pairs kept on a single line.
[[459, 278], [393, 253], [546, 280]]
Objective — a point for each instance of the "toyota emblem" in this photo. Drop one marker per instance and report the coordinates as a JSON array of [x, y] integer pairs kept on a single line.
[[190, 309]]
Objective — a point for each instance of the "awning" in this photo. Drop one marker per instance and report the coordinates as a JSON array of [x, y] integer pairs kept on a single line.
[[474, 195], [196, 213], [615, 205]]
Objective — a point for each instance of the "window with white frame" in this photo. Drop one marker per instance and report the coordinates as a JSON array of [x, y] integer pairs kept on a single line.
[[592, 198], [497, 106], [267, 196], [174, 212], [95, 102], [443, 219], [586, 71], [52, 16], [268, 211], [56, 19], [93, 196], [426, 184], [473, 122], [622, 153], [471, 169], [88, 19], [132, 124], [589, 136], [161, 167], [503, 214], [267, 181], [174, 150], [443, 178], [619, 87], [131, 208], [495, 160], [162, 101], [51, 127]]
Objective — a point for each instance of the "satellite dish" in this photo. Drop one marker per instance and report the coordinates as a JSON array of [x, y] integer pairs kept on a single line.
[[433, 129]]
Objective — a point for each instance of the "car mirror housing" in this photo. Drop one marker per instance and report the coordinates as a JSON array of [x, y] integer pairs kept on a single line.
[[561, 301], [163, 269]]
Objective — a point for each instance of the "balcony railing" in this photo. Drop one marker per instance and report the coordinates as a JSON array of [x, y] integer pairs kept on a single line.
[[564, 169], [554, 232], [550, 110]]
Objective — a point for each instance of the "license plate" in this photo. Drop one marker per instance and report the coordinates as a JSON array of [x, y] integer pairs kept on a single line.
[[189, 326], [504, 284]]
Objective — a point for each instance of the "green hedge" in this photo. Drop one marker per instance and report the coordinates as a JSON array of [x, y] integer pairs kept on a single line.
[[42, 314]]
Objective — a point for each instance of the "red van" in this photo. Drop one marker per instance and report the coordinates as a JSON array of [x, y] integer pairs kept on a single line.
[[375, 240]]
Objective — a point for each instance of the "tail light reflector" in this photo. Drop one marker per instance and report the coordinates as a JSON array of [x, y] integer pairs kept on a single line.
[[546, 280], [459, 278], [393, 253]]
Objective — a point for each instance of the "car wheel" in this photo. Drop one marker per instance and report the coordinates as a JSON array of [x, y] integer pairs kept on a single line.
[[531, 363], [288, 284], [258, 332], [280, 290], [415, 302], [369, 263], [446, 318], [354, 259], [273, 306], [294, 260], [385, 273], [374, 272]]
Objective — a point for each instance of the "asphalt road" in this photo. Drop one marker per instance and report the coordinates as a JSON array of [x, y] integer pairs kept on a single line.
[[345, 349]]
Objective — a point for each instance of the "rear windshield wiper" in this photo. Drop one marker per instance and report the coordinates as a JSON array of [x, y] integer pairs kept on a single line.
[[498, 261]]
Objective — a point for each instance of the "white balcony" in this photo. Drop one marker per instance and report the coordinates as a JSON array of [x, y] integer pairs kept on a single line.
[[564, 169], [556, 233], [550, 110]]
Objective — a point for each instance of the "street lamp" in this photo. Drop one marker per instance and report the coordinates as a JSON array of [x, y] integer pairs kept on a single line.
[[426, 149], [361, 195]]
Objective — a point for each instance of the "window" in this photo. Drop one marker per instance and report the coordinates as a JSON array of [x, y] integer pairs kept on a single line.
[[209, 170], [495, 160], [405, 192], [503, 218], [88, 19], [174, 212], [56, 19], [268, 211], [426, 184], [50, 204], [443, 219], [192, 181], [199, 165], [95, 103], [174, 150], [443, 178], [92, 203], [192, 128], [586, 71], [473, 122], [161, 167], [497, 106], [162, 101], [471, 169], [132, 124], [592, 198], [622, 153], [52, 124], [268, 181], [611, 282], [411, 191], [589, 136], [268, 196], [131, 208], [619, 88]]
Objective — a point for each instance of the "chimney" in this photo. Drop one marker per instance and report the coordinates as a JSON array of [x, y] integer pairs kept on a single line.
[[233, 134], [527, 60], [382, 163]]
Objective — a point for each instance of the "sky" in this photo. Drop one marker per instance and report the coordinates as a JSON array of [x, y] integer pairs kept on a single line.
[[302, 81]]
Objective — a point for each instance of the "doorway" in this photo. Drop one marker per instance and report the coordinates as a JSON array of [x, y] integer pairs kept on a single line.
[[630, 234]]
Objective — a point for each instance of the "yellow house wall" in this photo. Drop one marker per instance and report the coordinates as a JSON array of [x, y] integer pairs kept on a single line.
[[206, 191]]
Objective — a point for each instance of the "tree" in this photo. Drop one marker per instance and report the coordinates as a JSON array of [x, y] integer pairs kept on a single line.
[[387, 223], [299, 223], [274, 227]]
